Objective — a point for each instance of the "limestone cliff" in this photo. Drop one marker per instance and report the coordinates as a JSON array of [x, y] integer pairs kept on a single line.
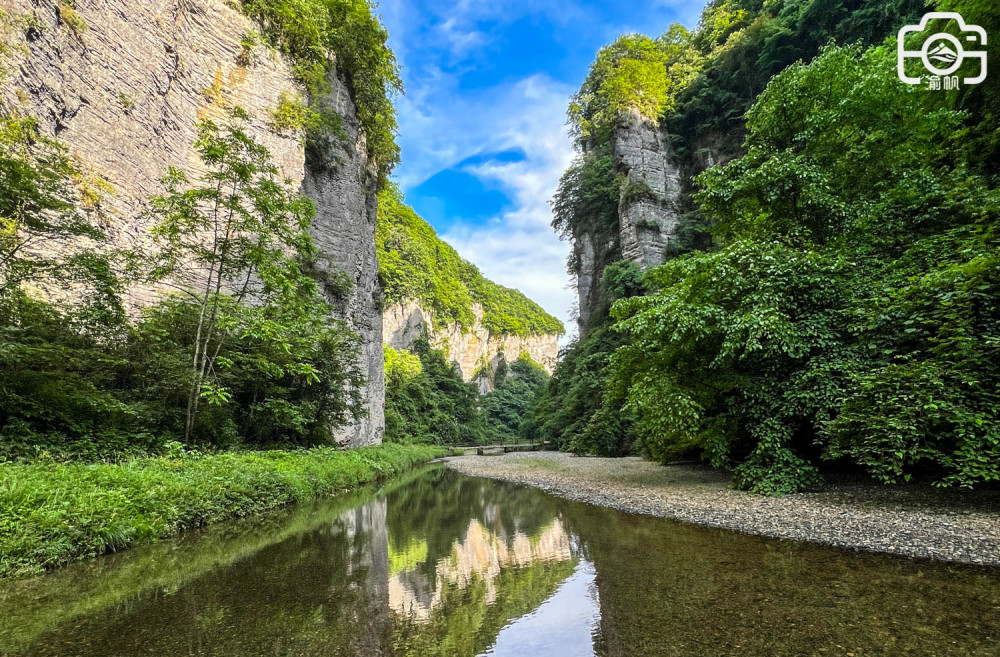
[[123, 85], [648, 211], [475, 351]]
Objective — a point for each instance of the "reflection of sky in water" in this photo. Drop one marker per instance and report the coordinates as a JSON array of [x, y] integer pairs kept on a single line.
[[562, 626], [476, 564]]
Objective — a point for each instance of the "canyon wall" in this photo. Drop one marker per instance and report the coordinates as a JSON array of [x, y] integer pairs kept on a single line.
[[473, 350], [648, 211], [123, 85]]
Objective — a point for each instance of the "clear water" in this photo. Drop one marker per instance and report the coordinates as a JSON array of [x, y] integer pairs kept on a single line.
[[442, 564]]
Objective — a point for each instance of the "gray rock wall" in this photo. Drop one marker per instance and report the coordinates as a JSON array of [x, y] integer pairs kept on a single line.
[[470, 350], [341, 182], [648, 213], [125, 93], [587, 278]]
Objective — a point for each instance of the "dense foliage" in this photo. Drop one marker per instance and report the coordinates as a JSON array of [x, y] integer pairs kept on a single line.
[[427, 401], [245, 353], [700, 83], [319, 35], [844, 311], [574, 411], [515, 386], [851, 309], [415, 264]]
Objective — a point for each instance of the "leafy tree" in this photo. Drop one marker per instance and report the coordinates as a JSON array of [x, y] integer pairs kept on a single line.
[[852, 287], [515, 387], [229, 246], [575, 410], [635, 73], [43, 237], [586, 200], [427, 401], [57, 364]]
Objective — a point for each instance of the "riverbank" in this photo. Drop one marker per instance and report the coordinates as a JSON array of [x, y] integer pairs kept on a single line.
[[55, 513], [957, 526]]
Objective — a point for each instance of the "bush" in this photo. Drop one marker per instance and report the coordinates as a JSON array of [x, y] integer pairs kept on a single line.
[[850, 310], [427, 401]]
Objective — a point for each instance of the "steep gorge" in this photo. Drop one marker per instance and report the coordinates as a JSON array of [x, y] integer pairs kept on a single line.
[[124, 87], [431, 292]]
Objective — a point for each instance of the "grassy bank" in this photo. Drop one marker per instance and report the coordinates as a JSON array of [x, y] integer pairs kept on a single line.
[[51, 514]]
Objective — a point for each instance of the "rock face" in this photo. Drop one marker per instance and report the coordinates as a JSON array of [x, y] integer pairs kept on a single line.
[[342, 183], [473, 350], [124, 90], [587, 277], [647, 212]]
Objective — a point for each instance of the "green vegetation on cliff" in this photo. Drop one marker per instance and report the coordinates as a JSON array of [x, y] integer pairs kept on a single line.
[[840, 309], [319, 35], [415, 264], [850, 311], [427, 401]]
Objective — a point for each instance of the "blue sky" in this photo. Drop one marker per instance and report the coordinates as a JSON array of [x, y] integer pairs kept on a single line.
[[482, 123]]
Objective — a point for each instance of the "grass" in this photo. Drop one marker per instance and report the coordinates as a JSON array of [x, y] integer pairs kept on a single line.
[[52, 514]]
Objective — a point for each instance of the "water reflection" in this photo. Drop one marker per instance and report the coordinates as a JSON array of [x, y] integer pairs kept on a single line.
[[479, 555], [442, 564]]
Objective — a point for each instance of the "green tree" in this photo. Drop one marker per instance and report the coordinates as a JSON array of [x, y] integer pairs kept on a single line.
[[852, 288], [427, 401], [43, 237], [232, 245], [516, 385]]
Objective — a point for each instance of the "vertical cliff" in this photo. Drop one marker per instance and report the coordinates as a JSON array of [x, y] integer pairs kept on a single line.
[[644, 223], [123, 85], [648, 209], [342, 183]]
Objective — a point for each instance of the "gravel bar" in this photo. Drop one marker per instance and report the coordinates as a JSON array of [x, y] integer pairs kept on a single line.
[[958, 526]]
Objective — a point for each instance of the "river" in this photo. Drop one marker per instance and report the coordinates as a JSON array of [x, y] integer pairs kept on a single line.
[[440, 564]]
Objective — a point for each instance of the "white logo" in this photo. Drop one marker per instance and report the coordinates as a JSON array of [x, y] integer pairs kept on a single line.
[[942, 53]]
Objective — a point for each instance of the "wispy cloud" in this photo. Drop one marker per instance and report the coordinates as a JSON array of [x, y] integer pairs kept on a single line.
[[477, 85], [518, 248]]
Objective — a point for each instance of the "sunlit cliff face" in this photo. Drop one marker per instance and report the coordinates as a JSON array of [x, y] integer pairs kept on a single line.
[[481, 555]]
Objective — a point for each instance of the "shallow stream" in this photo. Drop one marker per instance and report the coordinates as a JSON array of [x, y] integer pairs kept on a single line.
[[438, 563]]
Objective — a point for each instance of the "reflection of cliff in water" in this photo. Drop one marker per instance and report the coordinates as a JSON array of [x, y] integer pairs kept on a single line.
[[456, 579], [437, 565], [480, 555], [323, 591]]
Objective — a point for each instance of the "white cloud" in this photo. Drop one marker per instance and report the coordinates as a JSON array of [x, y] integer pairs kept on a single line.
[[441, 125], [519, 248], [459, 41], [444, 122]]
